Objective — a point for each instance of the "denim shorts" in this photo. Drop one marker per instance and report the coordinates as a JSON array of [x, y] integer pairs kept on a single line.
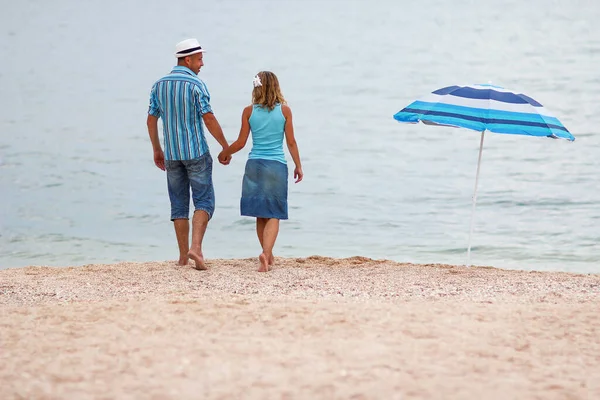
[[195, 174], [265, 189]]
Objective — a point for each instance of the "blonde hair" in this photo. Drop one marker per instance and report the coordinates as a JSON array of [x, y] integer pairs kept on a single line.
[[268, 94]]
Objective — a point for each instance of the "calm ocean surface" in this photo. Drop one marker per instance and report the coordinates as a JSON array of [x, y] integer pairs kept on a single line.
[[78, 185]]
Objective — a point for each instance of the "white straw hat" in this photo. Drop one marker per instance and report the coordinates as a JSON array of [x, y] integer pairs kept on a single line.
[[187, 47]]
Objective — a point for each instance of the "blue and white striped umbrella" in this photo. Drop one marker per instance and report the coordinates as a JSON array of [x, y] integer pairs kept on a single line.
[[484, 108]]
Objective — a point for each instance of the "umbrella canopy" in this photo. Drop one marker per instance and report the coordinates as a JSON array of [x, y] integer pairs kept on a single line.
[[485, 107]]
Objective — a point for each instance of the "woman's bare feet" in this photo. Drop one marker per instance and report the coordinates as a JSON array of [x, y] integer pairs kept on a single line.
[[271, 260], [198, 260], [264, 263]]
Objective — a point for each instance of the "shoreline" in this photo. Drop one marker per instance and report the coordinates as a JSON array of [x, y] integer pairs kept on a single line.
[[314, 327], [511, 266], [239, 276]]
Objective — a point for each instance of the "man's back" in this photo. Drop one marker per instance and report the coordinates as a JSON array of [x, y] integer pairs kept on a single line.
[[181, 99]]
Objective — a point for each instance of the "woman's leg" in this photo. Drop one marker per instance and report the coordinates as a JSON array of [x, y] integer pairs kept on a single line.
[[270, 232], [260, 229]]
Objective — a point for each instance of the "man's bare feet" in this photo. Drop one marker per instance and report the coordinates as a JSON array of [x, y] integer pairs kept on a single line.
[[198, 260], [264, 263], [183, 261]]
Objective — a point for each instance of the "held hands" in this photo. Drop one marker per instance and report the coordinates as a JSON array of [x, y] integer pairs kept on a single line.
[[298, 174], [224, 158]]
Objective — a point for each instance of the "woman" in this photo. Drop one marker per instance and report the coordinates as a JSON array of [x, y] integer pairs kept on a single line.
[[264, 187]]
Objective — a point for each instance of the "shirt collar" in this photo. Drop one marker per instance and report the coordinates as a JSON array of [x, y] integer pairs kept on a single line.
[[185, 70]]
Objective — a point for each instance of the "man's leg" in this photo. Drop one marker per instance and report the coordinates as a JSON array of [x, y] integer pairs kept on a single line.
[[179, 194], [199, 224], [203, 195], [269, 238], [182, 231]]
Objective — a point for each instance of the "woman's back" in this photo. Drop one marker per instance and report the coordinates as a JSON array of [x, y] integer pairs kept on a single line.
[[267, 133]]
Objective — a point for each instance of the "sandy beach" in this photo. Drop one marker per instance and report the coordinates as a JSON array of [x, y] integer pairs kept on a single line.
[[313, 328]]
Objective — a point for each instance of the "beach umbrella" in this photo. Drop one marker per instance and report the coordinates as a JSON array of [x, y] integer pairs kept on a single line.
[[484, 108]]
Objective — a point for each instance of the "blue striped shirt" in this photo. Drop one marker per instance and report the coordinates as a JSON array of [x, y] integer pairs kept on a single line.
[[181, 99]]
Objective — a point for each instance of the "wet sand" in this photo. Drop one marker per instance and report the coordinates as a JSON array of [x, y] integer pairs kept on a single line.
[[313, 328]]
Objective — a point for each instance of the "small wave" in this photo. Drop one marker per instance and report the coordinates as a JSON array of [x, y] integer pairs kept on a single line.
[[244, 222], [536, 203]]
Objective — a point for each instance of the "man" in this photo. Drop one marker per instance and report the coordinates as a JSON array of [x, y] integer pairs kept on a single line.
[[182, 100]]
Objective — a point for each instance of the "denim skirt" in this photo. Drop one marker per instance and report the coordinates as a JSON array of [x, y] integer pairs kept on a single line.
[[265, 189]]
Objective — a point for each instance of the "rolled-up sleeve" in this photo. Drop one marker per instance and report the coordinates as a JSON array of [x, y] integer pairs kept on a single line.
[[203, 100], [153, 108]]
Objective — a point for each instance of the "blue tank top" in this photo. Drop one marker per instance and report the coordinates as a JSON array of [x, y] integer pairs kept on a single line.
[[267, 133]]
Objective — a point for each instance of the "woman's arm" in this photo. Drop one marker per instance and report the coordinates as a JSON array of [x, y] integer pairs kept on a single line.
[[291, 142], [243, 136]]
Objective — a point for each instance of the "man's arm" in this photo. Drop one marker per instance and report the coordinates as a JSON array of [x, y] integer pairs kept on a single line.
[[215, 130], [202, 99], [159, 155]]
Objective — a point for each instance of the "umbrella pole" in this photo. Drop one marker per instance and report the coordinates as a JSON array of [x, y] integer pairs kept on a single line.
[[474, 200]]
